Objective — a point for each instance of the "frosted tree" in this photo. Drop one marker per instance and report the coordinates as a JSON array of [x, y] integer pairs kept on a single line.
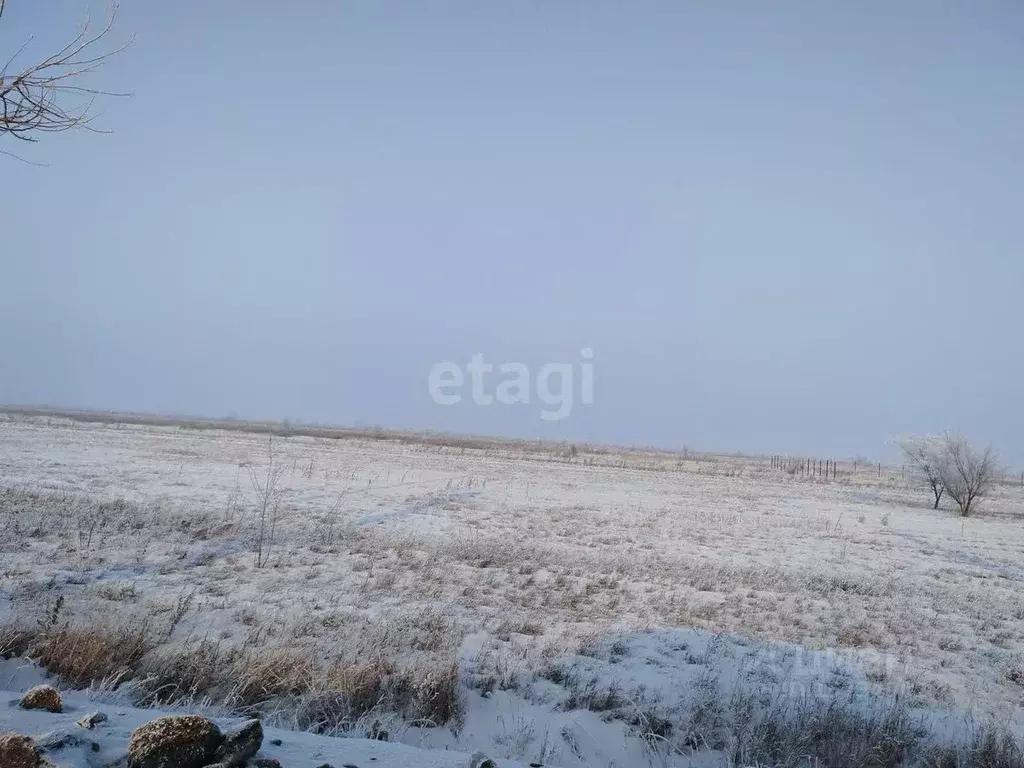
[[947, 464], [967, 474], [925, 457]]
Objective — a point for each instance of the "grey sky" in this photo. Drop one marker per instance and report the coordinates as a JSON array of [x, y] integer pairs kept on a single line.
[[789, 227]]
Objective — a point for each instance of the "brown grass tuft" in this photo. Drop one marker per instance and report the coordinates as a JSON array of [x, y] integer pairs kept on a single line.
[[82, 654]]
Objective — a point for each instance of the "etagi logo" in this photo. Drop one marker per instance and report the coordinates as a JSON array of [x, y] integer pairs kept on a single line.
[[553, 384]]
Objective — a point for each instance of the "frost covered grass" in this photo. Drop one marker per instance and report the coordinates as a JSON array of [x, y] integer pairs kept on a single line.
[[401, 581]]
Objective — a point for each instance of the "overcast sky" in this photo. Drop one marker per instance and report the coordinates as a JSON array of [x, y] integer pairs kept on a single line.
[[781, 227]]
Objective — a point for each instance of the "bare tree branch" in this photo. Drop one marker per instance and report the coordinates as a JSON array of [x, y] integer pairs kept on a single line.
[[21, 159], [46, 97]]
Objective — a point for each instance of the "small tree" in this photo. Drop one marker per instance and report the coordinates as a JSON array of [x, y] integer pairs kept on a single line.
[[925, 457], [967, 475]]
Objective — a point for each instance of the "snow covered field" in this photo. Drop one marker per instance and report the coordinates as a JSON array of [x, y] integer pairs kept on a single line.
[[600, 609]]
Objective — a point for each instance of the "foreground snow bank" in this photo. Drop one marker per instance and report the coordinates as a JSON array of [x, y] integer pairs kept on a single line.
[[105, 744], [667, 698]]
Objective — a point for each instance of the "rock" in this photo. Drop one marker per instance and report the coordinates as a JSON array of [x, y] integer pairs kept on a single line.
[[52, 741], [42, 697], [238, 746], [276, 742], [264, 762], [91, 720], [176, 741], [480, 760], [66, 738], [17, 751]]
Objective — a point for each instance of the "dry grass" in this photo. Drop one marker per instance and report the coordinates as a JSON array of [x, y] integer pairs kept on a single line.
[[81, 655], [989, 747], [331, 697]]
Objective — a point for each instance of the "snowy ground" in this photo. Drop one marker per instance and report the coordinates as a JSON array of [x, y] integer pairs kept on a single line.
[[517, 566]]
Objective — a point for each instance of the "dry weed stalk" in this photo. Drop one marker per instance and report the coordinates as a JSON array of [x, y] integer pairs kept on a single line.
[[268, 502]]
